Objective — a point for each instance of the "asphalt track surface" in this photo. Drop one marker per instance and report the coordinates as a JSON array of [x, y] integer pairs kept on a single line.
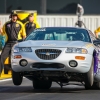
[[26, 92]]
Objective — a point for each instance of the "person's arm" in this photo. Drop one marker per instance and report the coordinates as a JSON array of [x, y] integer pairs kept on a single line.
[[23, 32], [2, 30]]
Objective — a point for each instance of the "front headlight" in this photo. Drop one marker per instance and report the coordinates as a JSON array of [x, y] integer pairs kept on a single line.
[[22, 49], [76, 50]]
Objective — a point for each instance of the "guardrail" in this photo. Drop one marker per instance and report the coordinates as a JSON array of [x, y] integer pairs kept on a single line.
[[91, 21]]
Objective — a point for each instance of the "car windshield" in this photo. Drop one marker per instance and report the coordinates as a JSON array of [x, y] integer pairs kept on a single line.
[[60, 34]]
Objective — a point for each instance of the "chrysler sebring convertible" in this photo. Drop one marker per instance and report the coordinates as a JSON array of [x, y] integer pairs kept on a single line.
[[57, 54]]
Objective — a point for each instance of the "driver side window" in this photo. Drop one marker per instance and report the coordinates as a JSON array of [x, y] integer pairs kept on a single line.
[[48, 37]]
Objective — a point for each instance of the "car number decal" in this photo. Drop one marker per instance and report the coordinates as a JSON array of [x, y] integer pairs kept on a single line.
[[41, 29], [48, 44], [89, 45]]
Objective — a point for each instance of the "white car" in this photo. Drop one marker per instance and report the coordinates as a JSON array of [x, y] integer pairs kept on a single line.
[[59, 54]]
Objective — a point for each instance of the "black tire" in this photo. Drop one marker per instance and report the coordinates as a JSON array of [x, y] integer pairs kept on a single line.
[[41, 84], [96, 85], [17, 78], [89, 77]]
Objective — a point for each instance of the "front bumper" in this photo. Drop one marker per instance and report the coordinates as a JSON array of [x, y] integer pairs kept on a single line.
[[64, 58]]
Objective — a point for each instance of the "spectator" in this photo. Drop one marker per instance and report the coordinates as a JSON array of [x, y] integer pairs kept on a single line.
[[97, 32], [30, 25]]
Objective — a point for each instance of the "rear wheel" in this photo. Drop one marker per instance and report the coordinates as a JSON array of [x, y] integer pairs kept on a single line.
[[17, 78], [89, 77], [41, 84]]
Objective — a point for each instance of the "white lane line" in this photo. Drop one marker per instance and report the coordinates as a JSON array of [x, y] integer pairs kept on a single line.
[[9, 79], [4, 80]]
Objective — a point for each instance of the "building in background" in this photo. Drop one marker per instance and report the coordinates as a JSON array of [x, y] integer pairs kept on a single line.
[[50, 6]]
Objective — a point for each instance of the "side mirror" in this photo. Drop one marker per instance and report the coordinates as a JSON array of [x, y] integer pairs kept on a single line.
[[96, 42]]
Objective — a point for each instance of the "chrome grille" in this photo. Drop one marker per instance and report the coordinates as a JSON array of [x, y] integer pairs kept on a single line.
[[47, 54]]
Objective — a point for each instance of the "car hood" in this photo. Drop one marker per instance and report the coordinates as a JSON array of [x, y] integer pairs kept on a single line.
[[47, 43]]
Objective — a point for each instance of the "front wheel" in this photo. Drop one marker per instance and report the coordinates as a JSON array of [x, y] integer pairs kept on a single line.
[[89, 77], [17, 78], [42, 84]]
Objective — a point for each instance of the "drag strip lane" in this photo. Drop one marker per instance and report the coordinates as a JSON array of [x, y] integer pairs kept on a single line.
[[26, 92]]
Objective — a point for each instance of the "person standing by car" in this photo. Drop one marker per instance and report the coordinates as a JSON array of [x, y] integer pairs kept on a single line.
[[13, 30], [97, 32], [30, 25]]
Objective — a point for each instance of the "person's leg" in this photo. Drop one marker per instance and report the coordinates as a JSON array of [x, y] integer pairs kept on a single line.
[[5, 53], [7, 67]]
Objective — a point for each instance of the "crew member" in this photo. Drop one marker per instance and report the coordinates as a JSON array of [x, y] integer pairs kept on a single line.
[[13, 30], [30, 25], [97, 32]]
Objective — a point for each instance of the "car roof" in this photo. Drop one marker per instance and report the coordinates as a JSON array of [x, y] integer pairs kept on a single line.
[[64, 28]]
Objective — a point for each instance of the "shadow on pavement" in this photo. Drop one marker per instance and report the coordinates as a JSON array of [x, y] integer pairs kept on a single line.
[[29, 89]]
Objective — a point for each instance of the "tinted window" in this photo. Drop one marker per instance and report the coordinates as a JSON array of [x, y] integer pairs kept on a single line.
[[60, 34]]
